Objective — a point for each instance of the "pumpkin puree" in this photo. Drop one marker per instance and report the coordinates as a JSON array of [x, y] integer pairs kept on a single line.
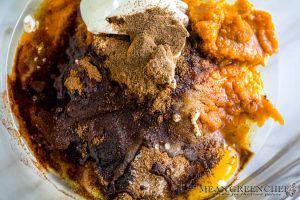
[[239, 37], [235, 32], [231, 97]]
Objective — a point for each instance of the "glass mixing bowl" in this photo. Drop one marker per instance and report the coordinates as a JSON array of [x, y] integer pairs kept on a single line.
[[270, 77]]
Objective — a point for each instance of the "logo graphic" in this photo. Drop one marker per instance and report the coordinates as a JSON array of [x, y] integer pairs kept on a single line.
[[291, 190]]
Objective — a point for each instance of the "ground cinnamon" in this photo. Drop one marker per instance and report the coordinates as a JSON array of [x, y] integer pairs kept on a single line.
[[146, 63]]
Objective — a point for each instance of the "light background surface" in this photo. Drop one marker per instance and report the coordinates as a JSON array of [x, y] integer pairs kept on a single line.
[[17, 181]]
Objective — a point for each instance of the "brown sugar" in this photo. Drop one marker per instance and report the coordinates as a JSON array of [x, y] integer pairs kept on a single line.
[[146, 64]]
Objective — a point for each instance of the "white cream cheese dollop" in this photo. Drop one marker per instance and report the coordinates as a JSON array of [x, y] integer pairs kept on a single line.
[[30, 24], [95, 12]]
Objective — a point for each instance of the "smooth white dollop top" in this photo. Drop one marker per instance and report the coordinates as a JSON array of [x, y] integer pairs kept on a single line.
[[95, 12], [30, 24]]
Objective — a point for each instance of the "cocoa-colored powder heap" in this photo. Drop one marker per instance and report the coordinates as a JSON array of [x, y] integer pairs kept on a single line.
[[73, 82], [145, 63]]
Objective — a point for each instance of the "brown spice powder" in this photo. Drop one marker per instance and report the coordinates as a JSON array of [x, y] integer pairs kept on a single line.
[[148, 185], [73, 83], [146, 64], [123, 196], [90, 69]]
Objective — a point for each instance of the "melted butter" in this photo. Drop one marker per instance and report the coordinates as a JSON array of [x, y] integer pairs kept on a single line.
[[39, 48]]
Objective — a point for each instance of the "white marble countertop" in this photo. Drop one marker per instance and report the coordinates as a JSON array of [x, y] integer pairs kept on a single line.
[[17, 181]]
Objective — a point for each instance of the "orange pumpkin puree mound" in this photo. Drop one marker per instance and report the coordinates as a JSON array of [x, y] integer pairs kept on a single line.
[[237, 32], [231, 96]]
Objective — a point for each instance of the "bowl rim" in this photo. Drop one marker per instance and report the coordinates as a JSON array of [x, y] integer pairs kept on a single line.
[[20, 145], [27, 156]]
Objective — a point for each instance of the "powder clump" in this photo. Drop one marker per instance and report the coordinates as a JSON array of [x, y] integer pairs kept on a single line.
[[73, 83], [145, 62], [91, 70]]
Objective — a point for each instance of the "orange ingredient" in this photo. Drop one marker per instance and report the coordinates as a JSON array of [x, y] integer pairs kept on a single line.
[[53, 25], [235, 32], [228, 98], [224, 172]]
